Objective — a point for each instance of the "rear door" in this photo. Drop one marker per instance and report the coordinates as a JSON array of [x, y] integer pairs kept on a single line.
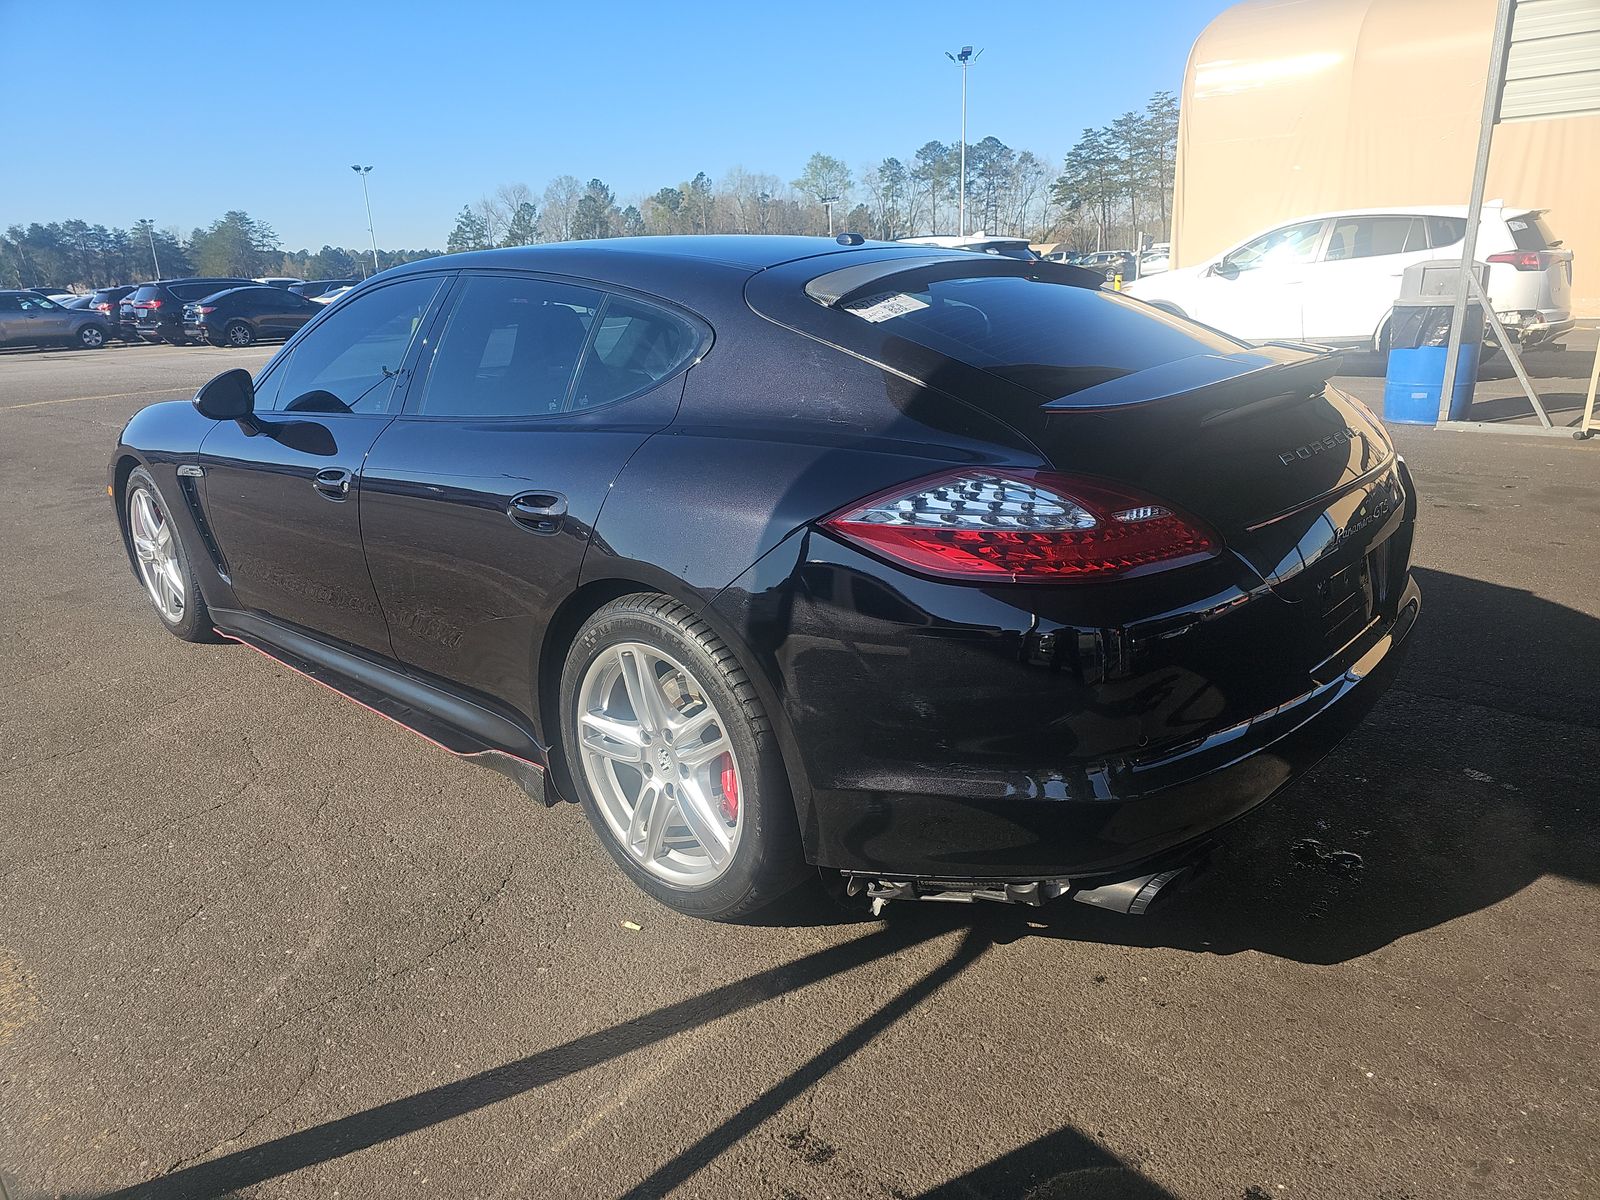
[[1257, 291], [284, 500], [1353, 285], [478, 502]]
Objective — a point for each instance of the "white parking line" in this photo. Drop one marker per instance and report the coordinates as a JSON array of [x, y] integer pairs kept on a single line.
[[107, 396]]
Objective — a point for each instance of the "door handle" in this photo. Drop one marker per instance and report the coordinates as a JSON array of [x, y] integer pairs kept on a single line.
[[334, 483], [539, 512]]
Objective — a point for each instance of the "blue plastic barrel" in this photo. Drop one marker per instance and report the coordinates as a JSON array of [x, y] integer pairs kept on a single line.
[[1415, 378]]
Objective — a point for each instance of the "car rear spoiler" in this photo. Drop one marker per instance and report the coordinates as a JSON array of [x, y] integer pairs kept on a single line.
[[1261, 372]]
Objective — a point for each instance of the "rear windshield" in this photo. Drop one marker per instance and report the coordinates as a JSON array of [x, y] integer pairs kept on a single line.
[[1531, 233], [1054, 339]]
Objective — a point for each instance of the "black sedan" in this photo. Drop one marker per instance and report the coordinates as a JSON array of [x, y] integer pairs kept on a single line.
[[949, 573], [243, 316]]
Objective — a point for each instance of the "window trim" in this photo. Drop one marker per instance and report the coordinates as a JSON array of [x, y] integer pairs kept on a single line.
[[417, 380], [407, 364]]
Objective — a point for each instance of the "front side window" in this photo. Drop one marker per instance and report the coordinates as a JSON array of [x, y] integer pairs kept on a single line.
[[1370, 237], [509, 348], [349, 362], [636, 346], [1290, 246]]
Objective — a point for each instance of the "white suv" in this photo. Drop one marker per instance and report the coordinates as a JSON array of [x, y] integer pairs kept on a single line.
[[1333, 278]]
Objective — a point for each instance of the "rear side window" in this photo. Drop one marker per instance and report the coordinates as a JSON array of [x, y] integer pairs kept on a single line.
[[636, 346], [1530, 232], [1052, 338], [509, 348], [1371, 237], [1446, 231], [349, 362]]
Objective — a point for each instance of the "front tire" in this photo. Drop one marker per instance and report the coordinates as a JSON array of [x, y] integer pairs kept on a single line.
[[161, 560], [91, 337], [675, 761], [239, 335]]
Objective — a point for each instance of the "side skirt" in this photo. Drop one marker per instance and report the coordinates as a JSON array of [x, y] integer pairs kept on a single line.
[[451, 723]]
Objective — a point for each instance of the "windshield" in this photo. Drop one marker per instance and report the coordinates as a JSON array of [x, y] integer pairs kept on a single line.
[[1054, 339]]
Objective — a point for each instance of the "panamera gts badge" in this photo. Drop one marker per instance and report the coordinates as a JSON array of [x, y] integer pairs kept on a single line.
[[1311, 449]]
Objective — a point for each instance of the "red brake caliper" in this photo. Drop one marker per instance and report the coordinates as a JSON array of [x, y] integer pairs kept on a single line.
[[730, 788]]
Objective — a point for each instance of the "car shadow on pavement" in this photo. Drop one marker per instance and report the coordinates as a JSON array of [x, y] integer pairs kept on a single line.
[[1469, 781], [1063, 1156]]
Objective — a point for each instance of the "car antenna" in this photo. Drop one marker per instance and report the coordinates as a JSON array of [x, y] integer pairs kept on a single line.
[[850, 239]]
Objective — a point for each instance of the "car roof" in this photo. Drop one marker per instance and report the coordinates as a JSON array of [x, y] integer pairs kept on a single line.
[[753, 252], [1490, 208]]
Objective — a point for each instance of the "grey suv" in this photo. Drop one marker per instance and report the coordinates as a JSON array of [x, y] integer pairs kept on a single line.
[[29, 319]]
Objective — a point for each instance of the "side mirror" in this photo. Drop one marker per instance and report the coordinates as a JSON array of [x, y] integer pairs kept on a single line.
[[231, 396], [1224, 269]]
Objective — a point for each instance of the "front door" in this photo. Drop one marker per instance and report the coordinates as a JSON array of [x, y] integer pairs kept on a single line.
[[283, 500], [1256, 292], [479, 500]]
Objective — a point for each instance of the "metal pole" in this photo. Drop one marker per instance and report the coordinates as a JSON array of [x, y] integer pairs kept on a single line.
[[363, 171], [1480, 172], [963, 185], [150, 228]]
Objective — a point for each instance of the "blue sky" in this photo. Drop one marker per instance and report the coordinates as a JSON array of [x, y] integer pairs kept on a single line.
[[449, 99]]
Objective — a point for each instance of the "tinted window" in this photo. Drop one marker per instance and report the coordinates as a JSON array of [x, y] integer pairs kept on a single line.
[[9, 304], [349, 361], [636, 347], [1446, 231], [1282, 247], [1054, 339], [1370, 237], [509, 348], [39, 303], [1531, 233]]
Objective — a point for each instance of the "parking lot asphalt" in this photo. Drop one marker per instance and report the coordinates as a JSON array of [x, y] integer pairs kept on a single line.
[[256, 940]]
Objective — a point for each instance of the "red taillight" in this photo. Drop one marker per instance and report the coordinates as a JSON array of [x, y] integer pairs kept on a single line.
[[205, 308], [1522, 260], [1022, 527], [151, 304], [102, 308]]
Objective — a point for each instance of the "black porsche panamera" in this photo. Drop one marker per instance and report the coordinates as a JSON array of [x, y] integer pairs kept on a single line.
[[951, 573]]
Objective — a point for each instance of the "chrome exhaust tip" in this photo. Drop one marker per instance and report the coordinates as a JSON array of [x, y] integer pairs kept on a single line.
[[1130, 896]]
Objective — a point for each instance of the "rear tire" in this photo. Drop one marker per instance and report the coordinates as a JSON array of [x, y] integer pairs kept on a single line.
[[238, 334], [161, 562], [696, 674], [91, 337]]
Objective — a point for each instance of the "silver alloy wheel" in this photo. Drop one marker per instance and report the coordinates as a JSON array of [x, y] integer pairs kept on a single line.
[[240, 335], [155, 547], [658, 760], [91, 337]]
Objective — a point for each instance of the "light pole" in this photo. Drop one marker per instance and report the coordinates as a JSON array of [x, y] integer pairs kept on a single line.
[[828, 202], [363, 172], [963, 59], [150, 228]]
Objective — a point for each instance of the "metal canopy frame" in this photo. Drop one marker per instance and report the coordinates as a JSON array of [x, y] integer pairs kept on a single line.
[[1466, 278]]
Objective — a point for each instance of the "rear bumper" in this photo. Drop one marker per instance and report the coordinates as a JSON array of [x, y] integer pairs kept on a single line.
[[1113, 819], [1537, 325]]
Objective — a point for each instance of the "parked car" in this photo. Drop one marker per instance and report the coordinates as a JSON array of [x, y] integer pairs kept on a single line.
[[278, 281], [977, 243], [1155, 259], [316, 287], [56, 295], [989, 599], [157, 307], [1062, 255], [29, 319], [1110, 263], [108, 303], [244, 316], [332, 294], [1333, 278]]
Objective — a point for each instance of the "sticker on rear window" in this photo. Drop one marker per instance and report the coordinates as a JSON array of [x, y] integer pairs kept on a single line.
[[881, 308]]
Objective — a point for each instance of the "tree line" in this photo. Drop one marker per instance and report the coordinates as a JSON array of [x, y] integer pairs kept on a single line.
[[1113, 187], [75, 254]]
